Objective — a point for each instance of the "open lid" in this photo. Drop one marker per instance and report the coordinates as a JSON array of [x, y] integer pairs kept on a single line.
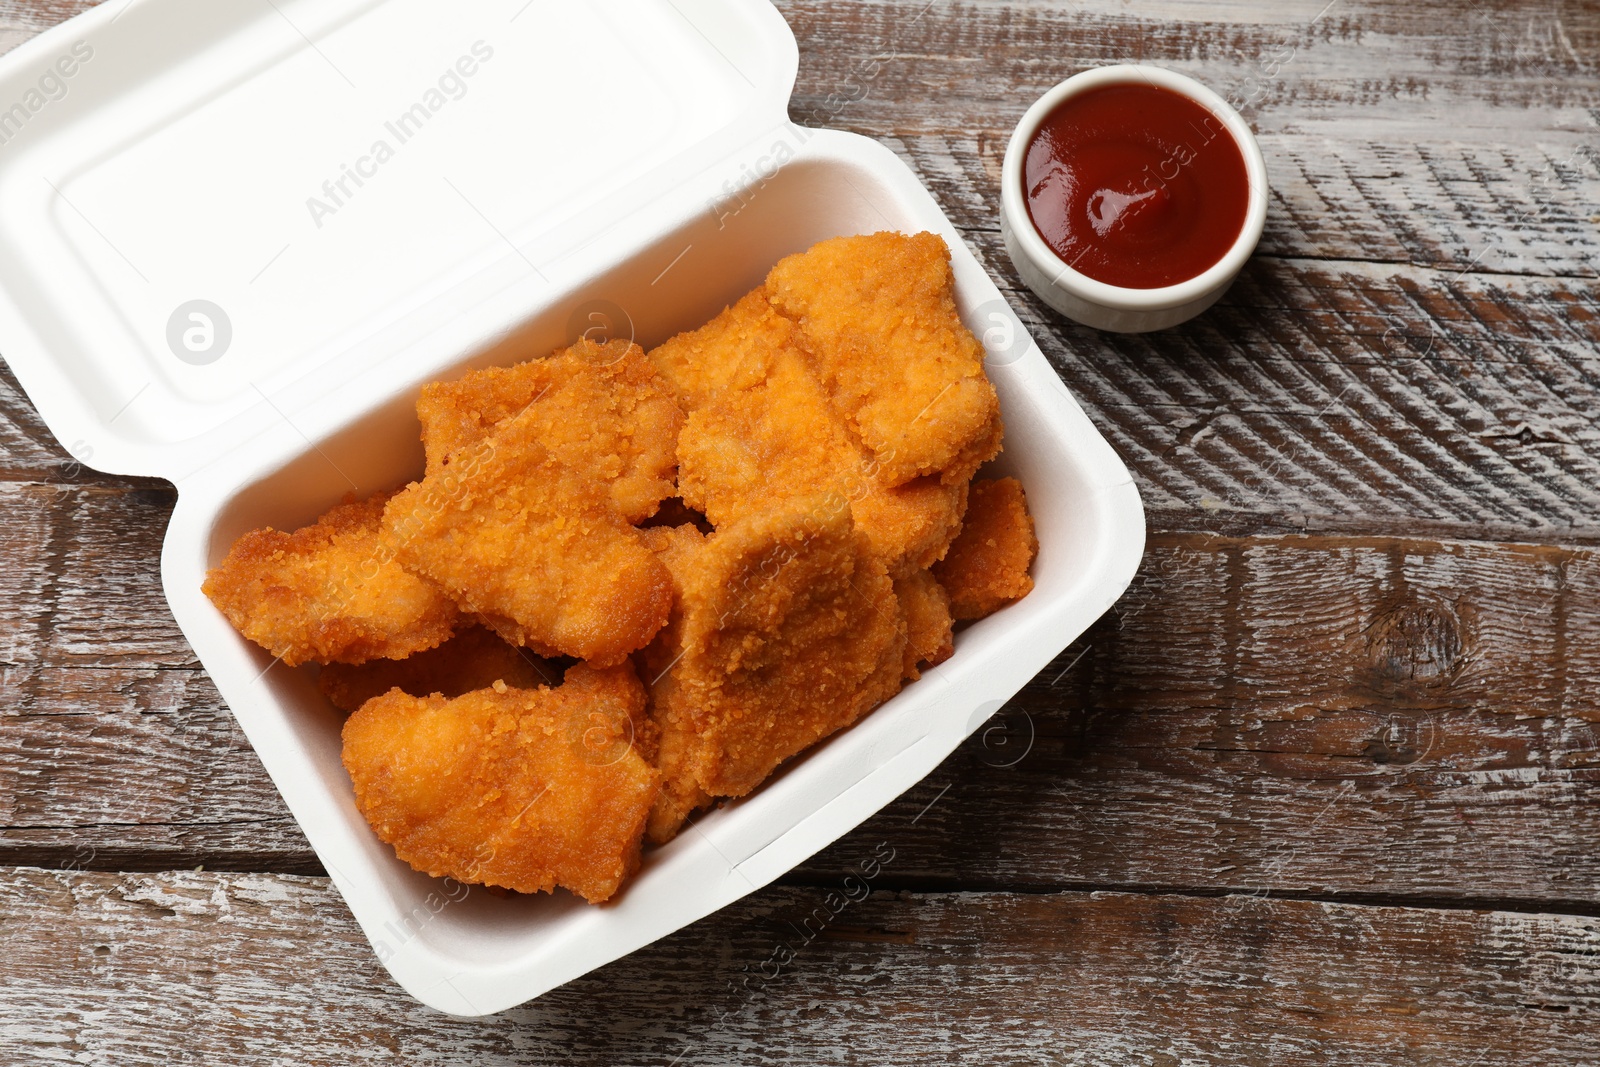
[[209, 204]]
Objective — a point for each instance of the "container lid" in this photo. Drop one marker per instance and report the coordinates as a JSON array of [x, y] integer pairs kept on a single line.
[[212, 207]]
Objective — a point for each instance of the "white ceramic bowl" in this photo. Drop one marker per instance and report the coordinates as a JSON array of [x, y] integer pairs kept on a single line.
[[1113, 307]]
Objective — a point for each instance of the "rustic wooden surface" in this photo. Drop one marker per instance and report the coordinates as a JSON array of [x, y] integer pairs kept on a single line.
[[1319, 790]]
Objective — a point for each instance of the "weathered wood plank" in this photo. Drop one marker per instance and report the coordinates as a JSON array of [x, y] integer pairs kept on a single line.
[[82, 581], [112, 768], [256, 969], [1315, 717], [1322, 416], [1294, 405], [1341, 717], [27, 448], [1416, 133], [1222, 434], [1294, 715], [1492, 434], [1318, 396], [22, 19], [1474, 176]]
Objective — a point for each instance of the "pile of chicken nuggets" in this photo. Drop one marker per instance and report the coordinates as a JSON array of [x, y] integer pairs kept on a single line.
[[631, 584]]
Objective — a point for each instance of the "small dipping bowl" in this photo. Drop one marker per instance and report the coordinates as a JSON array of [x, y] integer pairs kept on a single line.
[[1116, 307]]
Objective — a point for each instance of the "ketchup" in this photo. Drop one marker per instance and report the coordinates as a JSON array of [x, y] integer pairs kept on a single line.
[[1135, 185]]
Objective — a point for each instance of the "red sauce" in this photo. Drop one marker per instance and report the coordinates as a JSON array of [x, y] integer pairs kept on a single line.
[[1136, 185]]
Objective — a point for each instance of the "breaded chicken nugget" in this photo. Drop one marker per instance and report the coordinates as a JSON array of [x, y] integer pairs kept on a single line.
[[599, 408], [928, 622], [603, 727], [778, 440], [878, 314], [983, 448], [673, 545], [730, 353], [330, 592], [475, 658], [987, 566], [504, 787], [913, 524], [535, 547], [788, 632], [680, 796]]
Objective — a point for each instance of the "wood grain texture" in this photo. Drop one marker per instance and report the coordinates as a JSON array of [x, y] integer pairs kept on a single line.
[[1362, 718], [1414, 349], [86, 590], [1383, 364], [1252, 419], [270, 970], [1416, 133], [22, 19], [112, 767], [1292, 406], [1358, 668], [1351, 718]]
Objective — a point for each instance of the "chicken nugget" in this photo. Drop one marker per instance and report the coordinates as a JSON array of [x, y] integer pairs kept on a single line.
[[788, 632], [602, 728], [600, 408], [504, 787], [330, 592], [981, 450], [535, 547], [926, 606], [673, 545], [987, 566], [680, 796], [879, 317], [779, 440], [730, 353], [475, 658], [912, 525]]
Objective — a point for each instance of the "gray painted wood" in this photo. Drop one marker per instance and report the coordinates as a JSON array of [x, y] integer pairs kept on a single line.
[[1358, 668], [254, 969], [1402, 717]]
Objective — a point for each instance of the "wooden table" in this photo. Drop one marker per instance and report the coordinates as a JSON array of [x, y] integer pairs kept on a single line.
[[1319, 790]]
